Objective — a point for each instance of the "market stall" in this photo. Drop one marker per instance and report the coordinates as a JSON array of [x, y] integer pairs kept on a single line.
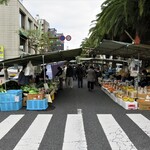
[[34, 96], [128, 95]]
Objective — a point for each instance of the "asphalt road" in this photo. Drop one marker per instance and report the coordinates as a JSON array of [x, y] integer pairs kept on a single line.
[[73, 102]]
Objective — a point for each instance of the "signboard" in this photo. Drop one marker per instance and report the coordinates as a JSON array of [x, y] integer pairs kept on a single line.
[[62, 38], [1, 52], [68, 37]]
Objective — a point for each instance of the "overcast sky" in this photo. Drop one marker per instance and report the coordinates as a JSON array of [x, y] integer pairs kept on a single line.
[[70, 17]]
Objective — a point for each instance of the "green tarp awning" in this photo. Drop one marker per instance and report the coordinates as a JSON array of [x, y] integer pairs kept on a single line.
[[38, 58], [122, 49]]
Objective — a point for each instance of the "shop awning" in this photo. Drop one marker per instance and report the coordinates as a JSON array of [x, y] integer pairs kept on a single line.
[[38, 58], [122, 49]]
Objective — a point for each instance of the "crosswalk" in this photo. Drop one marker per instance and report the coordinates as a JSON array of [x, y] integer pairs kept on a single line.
[[74, 131]]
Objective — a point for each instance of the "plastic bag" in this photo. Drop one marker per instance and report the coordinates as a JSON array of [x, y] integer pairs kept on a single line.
[[29, 70]]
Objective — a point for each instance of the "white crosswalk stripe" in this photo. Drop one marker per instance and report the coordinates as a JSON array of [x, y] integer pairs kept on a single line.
[[74, 137], [141, 121], [33, 136], [74, 133], [116, 136], [8, 123]]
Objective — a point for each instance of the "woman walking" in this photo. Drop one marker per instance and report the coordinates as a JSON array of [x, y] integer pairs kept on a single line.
[[91, 76]]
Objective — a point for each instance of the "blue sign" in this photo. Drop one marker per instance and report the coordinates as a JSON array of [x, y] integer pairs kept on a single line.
[[62, 38]]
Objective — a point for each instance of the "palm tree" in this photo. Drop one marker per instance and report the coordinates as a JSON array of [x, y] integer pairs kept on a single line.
[[121, 16]]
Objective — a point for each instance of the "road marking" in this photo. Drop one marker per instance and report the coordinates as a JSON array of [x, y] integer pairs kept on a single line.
[[117, 138], [32, 138], [141, 121], [74, 137], [8, 123]]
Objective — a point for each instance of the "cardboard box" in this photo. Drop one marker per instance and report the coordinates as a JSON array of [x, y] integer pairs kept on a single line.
[[24, 101], [35, 96], [142, 95], [143, 105]]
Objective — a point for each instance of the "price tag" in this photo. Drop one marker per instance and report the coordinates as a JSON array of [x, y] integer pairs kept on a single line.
[[16, 98]]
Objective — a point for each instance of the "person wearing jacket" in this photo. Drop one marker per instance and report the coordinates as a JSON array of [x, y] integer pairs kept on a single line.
[[80, 75], [91, 76], [69, 76], [60, 75]]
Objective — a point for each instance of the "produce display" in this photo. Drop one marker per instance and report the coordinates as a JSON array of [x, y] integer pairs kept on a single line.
[[121, 94]]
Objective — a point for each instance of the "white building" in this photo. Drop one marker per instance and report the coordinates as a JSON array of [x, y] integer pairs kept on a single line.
[[14, 19]]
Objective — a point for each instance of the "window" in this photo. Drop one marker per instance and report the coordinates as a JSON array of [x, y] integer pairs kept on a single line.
[[29, 25], [22, 20]]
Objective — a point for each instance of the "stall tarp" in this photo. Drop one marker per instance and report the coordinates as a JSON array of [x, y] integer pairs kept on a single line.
[[38, 58], [122, 49], [102, 60]]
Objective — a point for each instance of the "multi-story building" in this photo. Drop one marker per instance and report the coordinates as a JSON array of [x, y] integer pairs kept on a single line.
[[43, 25], [57, 44], [14, 19]]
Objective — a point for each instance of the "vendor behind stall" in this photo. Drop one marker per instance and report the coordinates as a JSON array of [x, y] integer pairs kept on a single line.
[[22, 79]]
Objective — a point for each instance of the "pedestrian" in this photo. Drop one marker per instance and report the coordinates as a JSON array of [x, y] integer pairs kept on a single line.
[[80, 75], [91, 76], [69, 76], [74, 72], [43, 76], [60, 75], [98, 74]]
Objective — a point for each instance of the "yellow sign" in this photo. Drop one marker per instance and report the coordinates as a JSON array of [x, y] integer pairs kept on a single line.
[[1, 52]]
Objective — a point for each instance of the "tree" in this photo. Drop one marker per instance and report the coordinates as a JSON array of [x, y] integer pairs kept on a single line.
[[3, 2], [119, 17], [39, 41]]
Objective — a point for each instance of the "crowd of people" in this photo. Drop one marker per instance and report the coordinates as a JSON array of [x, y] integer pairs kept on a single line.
[[68, 73]]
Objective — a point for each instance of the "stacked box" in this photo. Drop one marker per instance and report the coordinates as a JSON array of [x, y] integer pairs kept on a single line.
[[37, 104], [11, 96], [129, 105], [11, 100], [143, 104], [35, 96], [11, 106]]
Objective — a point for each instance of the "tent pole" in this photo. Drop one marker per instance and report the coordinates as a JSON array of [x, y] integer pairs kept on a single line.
[[138, 75], [4, 75], [44, 69]]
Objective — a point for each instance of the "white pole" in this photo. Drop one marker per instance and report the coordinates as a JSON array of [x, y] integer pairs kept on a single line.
[[44, 69]]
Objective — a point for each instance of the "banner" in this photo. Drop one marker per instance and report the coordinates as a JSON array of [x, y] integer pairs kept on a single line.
[[1, 52]]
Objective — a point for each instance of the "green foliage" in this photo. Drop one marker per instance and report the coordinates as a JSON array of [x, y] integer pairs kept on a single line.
[[39, 41], [4, 2], [118, 16]]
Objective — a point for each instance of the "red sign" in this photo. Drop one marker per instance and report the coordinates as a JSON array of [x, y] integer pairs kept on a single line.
[[68, 37]]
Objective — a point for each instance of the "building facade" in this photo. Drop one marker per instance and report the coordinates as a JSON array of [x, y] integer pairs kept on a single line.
[[57, 44], [43, 25], [14, 19]]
